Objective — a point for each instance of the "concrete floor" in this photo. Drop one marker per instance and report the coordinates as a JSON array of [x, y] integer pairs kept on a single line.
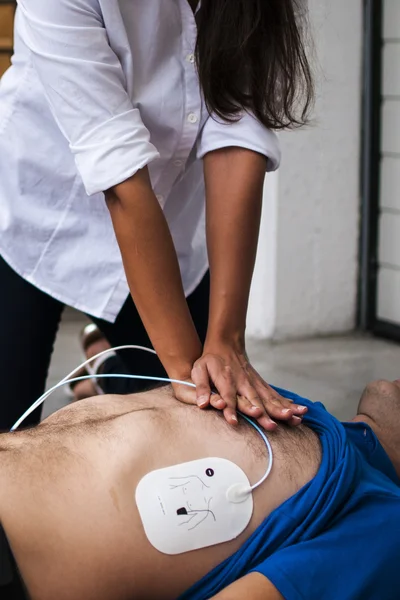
[[332, 370]]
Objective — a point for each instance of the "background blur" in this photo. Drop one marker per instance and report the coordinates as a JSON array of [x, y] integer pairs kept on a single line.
[[326, 292], [330, 253]]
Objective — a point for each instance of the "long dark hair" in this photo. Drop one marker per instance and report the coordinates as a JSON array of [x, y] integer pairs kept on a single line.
[[251, 55]]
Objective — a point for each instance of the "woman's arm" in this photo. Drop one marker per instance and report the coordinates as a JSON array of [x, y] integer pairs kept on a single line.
[[234, 182], [234, 187], [153, 275]]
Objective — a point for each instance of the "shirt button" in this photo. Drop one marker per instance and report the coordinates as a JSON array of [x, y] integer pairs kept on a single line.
[[192, 118], [190, 58], [160, 197], [178, 163]]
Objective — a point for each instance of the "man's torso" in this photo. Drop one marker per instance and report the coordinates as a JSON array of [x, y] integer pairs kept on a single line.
[[68, 503]]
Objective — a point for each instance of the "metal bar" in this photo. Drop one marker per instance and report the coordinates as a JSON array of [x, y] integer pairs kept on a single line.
[[370, 167]]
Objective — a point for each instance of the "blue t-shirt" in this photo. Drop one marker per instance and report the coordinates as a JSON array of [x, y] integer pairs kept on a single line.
[[338, 538]]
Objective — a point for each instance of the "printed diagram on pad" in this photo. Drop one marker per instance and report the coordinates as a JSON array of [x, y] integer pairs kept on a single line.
[[195, 496]]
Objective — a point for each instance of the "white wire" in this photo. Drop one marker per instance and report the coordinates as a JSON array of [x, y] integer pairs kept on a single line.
[[86, 377], [42, 398], [67, 379], [267, 443]]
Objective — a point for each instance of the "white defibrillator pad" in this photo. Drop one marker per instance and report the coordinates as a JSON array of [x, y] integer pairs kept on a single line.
[[189, 506]]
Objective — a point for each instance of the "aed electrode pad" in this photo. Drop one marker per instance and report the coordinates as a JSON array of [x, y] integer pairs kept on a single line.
[[188, 506]]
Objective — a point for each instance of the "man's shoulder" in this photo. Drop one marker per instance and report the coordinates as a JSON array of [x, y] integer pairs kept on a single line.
[[362, 436]]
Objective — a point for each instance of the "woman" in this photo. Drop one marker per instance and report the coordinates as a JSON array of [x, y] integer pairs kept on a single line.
[[170, 122]]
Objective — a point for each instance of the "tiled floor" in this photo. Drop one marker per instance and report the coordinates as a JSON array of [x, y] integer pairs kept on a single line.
[[332, 370]]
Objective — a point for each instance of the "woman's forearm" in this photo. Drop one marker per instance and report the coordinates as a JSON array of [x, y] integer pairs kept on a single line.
[[234, 185], [153, 275]]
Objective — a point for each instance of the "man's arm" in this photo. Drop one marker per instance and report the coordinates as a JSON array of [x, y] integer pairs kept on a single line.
[[379, 407], [251, 587]]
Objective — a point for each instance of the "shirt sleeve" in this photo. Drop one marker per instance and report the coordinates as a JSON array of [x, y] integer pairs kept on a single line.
[[364, 438], [248, 133], [356, 558], [85, 86]]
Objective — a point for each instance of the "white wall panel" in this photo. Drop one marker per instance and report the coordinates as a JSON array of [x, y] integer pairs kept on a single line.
[[318, 207], [391, 19], [262, 305], [389, 295], [390, 183], [306, 275], [389, 226], [391, 126], [389, 239], [391, 69]]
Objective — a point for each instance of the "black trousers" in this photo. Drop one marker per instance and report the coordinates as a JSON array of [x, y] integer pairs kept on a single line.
[[29, 321], [11, 584]]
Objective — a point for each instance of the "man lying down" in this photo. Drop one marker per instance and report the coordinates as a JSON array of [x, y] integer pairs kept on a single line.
[[82, 493]]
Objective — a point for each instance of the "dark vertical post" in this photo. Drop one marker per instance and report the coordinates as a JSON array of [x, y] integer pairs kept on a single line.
[[370, 165]]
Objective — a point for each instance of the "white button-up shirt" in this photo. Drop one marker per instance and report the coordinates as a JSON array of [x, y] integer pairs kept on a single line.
[[97, 90]]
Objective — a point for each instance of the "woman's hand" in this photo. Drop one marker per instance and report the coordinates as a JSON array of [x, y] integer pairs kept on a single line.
[[227, 371]]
